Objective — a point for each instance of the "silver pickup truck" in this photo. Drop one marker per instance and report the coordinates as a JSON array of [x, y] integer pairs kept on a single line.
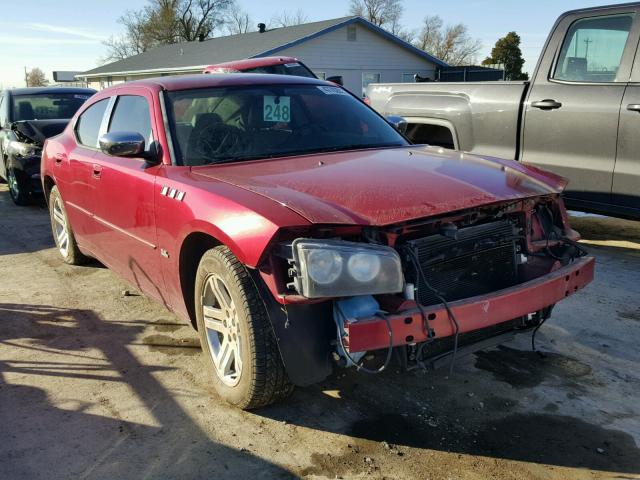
[[579, 116]]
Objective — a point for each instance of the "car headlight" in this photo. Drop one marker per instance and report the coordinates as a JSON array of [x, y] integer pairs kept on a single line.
[[23, 149], [335, 268]]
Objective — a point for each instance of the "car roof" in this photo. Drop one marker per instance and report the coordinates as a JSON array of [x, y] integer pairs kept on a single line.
[[187, 82], [45, 90], [254, 62]]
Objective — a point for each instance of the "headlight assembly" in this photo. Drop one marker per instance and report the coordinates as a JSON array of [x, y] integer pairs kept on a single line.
[[335, 268]]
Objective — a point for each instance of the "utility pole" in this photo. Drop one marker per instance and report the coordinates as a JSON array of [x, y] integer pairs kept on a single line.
[[26, 77], [587, 42]]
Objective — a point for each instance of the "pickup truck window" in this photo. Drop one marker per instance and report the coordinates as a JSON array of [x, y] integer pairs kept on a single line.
[[88, 124], [131, 114], [218, 125], [593, 48]]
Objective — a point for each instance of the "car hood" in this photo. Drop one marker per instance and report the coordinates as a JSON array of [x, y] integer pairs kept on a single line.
[[385, 186], [37, 131]]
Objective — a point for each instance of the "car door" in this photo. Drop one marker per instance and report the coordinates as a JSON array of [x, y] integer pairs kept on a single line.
[[626, 175], [124, 197], [572, 111], [73, 171]]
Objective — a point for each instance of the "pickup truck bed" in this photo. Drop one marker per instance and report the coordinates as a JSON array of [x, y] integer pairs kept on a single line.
[[480, 116]]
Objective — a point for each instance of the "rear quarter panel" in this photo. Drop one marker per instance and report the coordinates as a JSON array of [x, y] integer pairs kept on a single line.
[[482, 116]]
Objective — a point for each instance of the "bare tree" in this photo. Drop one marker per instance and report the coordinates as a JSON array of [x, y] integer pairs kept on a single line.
[[199, 18], [238, 20], [289, 19], [383, 13], [451, 44], [163, 22], [36, 78]]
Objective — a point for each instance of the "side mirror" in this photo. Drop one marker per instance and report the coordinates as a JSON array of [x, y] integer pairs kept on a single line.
[[122, 144], [397, 122], [337, 79]]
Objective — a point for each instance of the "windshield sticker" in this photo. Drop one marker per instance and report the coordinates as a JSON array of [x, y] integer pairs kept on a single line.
[[277, 108], [332, 91], [82, 97], [291, 65]]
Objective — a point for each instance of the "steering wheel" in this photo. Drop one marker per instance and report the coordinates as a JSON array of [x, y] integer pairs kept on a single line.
[[217, 140]]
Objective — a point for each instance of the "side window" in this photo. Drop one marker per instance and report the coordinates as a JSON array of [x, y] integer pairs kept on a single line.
[[131, 114], [88, 124], [368, 78], [592, 49], [3, 117]]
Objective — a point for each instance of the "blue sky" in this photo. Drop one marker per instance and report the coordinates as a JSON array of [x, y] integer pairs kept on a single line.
[[67, 34]]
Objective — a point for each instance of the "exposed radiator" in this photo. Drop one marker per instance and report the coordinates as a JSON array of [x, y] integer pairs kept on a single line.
[[481, 259]]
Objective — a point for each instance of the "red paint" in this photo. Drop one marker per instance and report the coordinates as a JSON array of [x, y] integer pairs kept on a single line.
[[248, 64], [473, 313]]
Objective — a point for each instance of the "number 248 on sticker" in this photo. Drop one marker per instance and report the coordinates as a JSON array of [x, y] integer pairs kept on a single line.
[[277, 109]]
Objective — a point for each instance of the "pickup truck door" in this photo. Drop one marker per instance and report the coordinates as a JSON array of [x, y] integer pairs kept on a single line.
[[124, 198], [626, 175], [572, 109]]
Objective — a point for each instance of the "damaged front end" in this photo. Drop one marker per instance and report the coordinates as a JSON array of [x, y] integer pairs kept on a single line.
[[429, 289], [24, 151]]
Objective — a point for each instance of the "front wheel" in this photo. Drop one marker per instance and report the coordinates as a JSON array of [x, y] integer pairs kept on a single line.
[[236, 334], [17, 187]]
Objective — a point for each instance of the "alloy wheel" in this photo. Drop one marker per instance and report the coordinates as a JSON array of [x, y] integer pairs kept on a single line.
[[60, 227], [14, 188], [222, 330]]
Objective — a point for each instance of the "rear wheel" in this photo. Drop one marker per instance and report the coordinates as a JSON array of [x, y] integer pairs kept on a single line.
[[62, 232], [236, 334], [17, 187]]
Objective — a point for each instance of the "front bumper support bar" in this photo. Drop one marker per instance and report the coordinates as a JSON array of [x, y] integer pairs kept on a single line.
[[472, 314]]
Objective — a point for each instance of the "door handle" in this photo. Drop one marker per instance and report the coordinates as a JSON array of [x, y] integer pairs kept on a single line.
[[59, 158], [97, 170], [633, 107], [546, 104]]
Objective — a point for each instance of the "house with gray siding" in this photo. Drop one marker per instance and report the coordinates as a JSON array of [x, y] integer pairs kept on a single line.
[[352, 47]]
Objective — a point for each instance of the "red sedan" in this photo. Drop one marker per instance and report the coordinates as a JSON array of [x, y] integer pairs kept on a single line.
[[296, 229]]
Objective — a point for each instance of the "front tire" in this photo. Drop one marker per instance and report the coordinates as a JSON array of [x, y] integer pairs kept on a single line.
[[62, 232], [236, 334], [17, 187]]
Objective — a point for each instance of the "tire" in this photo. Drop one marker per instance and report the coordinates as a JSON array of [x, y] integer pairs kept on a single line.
[[62, 232], [18, 187], [236, 315]]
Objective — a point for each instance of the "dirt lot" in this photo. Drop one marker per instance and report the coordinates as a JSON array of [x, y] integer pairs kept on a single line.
[[97, 384]]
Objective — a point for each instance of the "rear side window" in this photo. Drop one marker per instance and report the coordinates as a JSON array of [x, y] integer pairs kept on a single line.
[[131, 114], [88, 124], [592, 50]]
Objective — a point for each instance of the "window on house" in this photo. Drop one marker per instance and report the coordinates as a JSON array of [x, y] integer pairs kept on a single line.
[[408, 77], [367, 78], [351, 33]]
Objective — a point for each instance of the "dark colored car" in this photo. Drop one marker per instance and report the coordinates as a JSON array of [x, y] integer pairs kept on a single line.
[[28, 116], [297, 230]]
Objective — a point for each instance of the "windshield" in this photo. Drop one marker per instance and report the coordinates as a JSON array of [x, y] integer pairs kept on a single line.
[[293, 68], [47, 106], [241, 123]]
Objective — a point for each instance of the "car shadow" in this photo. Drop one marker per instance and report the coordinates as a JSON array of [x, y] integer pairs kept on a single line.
[[430, 410], [44, 435]]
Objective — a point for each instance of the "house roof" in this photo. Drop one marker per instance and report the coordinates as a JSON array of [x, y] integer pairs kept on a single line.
[[190, 55]]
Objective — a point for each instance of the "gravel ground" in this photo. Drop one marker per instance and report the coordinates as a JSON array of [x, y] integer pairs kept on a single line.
[[98, 384]]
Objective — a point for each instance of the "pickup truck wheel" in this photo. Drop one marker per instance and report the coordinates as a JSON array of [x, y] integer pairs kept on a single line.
[[236, 334], [62, 232], [17, 189]]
